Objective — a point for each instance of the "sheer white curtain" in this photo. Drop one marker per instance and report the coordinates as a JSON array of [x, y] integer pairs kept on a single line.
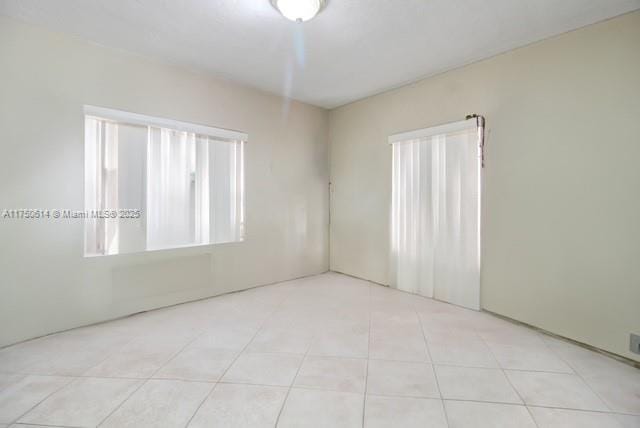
[[195, 189], [435, 230], [101, 187], [175, 196], [227, 191]]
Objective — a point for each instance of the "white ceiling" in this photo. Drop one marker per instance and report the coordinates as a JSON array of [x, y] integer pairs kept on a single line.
[[353, 49]]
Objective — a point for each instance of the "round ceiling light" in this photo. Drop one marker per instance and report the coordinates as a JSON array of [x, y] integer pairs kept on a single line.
[[299, 10]]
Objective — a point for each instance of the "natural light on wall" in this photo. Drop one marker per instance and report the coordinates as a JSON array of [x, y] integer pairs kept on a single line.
[[154, 184]]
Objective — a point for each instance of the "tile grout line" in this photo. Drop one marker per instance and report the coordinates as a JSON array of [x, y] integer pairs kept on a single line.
[[84, 376], [174, 355], [309, 388], [422, 397], [433, 366], [111, 354], [366, 376], [146, 380], [600, 412], [207, 395], [577, 373], [615, 413], [45, 426], [15, 421], [293, 381], [219, 381], [71, 377], [504, 373]]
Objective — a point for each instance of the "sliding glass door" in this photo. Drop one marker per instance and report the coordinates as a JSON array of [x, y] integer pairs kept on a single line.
[[435, 230]]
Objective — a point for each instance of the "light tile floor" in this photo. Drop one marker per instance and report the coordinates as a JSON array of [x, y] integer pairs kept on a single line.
[[325, 351]]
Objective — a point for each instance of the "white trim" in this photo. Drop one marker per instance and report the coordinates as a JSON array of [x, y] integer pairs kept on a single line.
[[140, 119], [447, 128]]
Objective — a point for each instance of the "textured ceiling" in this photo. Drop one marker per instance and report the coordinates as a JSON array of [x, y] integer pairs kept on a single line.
[[353, 49]]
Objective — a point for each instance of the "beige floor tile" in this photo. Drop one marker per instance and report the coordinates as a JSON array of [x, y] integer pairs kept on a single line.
[[335, 374], [349, 340], [73, 357], [398, 343], [402, 379], [475, 384], [405, 412], [462, 353], [584, 361], [619, 388], [196, 363], [18, 358], [8, 379], [618, 384], [288, 339], [555, 390], [528, 358], [233, 337], [628, 421], [139, 359], [160, 403], [321, 409], [18, 398], [469, 414], [83, 402], [510, 334], [240, 406], [64, 354], [264, 369]]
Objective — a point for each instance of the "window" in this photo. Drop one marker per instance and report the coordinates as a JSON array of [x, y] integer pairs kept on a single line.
[[153, 183]]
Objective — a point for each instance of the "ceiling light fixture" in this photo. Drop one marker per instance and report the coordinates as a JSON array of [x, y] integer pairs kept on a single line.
[[299, 10]]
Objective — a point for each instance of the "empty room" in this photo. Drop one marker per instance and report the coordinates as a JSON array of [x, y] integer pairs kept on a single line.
[[320, 213]]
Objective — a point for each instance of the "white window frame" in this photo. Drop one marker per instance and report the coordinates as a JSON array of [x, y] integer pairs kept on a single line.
[[141, 119]]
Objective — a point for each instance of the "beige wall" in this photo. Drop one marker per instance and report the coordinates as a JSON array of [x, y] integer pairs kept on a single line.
[[561, 214], [45, 283]]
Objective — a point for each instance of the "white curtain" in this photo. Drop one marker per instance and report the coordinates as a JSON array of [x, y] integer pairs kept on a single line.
[[195, 190], [172, 180], [435, 231], [101, 186], [227, 191]]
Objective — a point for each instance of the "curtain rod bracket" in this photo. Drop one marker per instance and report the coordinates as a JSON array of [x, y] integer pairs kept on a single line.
[[479, 118], [480, 124]]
